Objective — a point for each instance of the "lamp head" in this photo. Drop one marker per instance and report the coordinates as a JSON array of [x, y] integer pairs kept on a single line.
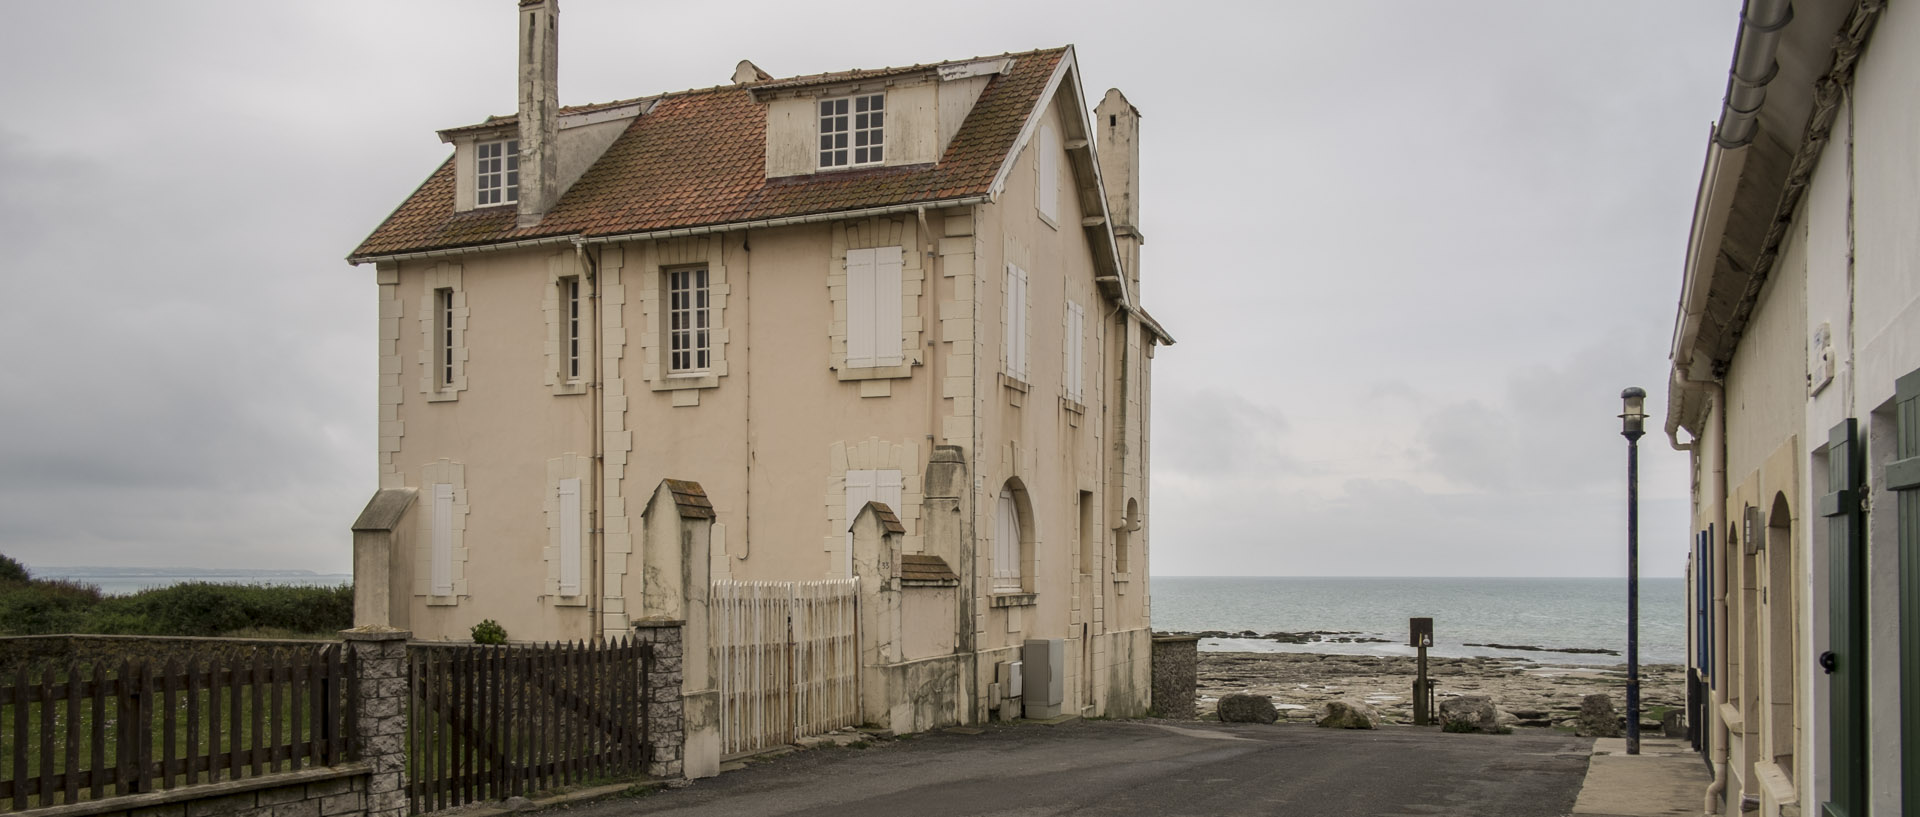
[[1633, 413]]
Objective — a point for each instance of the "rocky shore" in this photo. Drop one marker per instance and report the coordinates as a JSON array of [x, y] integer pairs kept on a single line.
[[1300, 684]]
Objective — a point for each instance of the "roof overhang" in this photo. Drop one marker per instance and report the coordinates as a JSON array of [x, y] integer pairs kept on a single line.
[[1092, 190], [1746, 199]]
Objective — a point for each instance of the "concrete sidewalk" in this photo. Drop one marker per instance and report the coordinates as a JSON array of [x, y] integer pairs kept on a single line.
[[1666, 778]]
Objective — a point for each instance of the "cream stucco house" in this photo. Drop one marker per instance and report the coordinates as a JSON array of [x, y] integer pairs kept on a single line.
[[1797, 377], [918, 286]]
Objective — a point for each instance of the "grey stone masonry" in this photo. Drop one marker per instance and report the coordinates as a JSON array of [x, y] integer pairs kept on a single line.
[[379, 679], [666, 712], [1175, 658]]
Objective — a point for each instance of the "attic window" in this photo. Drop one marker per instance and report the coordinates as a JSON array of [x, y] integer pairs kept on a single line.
[[852, 131], [496, 173]]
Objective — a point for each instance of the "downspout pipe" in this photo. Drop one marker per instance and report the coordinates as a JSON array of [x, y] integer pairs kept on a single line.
[[1715, 452], [1753, 67]]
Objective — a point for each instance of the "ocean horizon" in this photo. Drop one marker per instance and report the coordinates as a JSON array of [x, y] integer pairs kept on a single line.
[[1552, 620]]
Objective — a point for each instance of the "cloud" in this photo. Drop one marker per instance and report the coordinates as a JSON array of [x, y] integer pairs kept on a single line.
[[1213, 431]]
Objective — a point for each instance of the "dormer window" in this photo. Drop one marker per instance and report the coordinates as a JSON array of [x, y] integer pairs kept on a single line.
[[496, 173], [852, 131]]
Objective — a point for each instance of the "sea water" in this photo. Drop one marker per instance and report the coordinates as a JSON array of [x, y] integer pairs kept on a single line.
[[1553, 614]]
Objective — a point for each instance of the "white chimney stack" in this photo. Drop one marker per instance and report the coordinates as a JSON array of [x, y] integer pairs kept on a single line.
[[539, 37]]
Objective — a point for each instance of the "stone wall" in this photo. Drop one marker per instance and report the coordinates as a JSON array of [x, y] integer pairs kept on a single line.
[[1174, 680], [666, 713], [339, 791]]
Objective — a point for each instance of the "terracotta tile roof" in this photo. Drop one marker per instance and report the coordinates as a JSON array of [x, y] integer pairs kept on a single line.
[[698, 158], [888, 521], [691, 498], [925, 567]]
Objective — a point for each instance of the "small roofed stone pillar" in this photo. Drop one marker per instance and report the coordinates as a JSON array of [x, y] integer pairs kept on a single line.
[[676, 578], [876, 557], [381, 573]]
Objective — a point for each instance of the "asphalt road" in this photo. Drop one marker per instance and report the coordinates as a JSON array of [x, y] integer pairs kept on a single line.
[[1149, 768]]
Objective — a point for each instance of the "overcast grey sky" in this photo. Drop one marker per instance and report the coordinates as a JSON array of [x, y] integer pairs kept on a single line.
[[1412, 251]]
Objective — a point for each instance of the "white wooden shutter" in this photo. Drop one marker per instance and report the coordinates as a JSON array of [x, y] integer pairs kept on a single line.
[[441, 570], [861, 296], [1047, 172], [570, 537], [861, 487], [1016, 322], [886, 307], [864, 486], [1006, 544], [1076, 352]]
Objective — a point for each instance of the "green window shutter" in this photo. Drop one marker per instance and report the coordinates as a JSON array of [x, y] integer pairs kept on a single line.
[[1846, 659], [1903, 477]]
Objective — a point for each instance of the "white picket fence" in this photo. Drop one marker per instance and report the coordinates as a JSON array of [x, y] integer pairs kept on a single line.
[[788, 659]]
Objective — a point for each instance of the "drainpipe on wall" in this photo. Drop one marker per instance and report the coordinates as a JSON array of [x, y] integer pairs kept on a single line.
[[1716, 454], [588, 270]]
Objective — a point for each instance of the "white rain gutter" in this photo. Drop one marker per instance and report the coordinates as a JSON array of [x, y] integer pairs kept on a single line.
[[765, 223]]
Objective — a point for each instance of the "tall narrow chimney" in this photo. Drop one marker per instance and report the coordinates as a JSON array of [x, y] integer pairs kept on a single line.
[[1118, 124], [539, 38]]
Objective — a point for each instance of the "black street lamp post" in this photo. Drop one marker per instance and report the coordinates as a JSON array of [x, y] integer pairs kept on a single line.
[[1632, 419]]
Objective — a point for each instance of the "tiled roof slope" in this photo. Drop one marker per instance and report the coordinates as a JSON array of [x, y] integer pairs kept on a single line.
[[699, 159]]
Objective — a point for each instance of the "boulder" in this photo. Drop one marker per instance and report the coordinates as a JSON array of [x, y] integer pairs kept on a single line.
[[1674, 724], [1597, 718], [1241, 707], [1347, 715], [1470, 713]]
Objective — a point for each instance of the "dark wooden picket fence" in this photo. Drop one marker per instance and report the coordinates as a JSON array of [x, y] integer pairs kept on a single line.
[[81, 731], [489, 723]]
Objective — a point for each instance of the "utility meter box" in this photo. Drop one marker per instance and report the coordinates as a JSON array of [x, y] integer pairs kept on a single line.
[[1008, 676], [1045, 660]]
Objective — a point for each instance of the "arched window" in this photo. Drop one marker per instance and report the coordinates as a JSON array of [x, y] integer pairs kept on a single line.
[[1012, 539]]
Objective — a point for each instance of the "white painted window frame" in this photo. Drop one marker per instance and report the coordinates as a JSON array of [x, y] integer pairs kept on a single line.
[[571, 352], [444, 343], [689, 321], [842, 137], [496, 173]]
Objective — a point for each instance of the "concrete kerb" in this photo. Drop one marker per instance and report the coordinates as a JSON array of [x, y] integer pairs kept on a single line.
[[1666, 778]]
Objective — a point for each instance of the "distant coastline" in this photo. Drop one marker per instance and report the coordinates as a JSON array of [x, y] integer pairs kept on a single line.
[[119, 581]]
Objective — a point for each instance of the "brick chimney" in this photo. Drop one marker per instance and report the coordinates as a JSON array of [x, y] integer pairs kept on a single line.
[[1118, 124], [539, 37]]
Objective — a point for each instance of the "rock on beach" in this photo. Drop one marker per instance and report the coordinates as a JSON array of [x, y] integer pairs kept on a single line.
[[1537, 694], [1245, 708]]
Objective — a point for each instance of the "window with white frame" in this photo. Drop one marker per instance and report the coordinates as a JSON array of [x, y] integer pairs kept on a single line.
[[1006, 543], [689, 336], [496, 173], [864, 486], [443, 342], [1075, 374], [873, 307], [1014, 318], [570, 327], [852, 130]]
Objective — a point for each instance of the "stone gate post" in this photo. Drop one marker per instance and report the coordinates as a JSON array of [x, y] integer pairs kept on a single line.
[[379, 713], [677, 578]]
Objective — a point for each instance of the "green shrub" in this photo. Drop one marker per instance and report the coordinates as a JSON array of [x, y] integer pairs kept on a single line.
[[42, 607], [11, 570], [489, 631]]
